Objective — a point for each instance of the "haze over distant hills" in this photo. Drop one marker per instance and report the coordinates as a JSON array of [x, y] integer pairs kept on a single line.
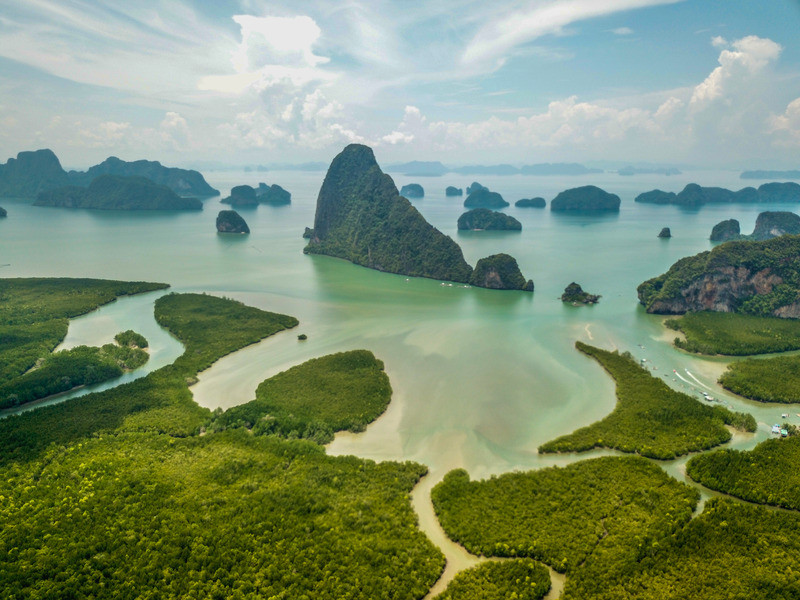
[[435, 168]]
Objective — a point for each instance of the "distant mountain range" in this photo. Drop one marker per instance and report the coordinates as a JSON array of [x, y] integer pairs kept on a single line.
[[793, 174], [435, 169]]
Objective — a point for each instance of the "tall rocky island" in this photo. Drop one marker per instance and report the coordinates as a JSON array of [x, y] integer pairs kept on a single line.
[[362, 218]]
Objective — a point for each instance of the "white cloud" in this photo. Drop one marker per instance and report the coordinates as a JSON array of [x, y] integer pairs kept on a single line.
[[535, 19], [787, 126], [269, 41], [622, 31]]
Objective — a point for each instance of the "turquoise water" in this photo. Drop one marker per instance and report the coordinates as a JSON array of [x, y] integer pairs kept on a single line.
[[480, 377]]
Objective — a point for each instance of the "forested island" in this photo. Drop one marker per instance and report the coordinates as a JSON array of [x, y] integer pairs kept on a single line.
[[229, 221], [483, 198], [589, 198], [500, 272], [242, 196], [769, 224], [479, 219], [412, 190], [273, 194], [361, 217], [451, 190], [116, 192], [34, 172], [694, 195], [537, 202], [574, 294]]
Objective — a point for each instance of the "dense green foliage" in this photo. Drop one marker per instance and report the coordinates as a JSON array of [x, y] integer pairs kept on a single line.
[[650, 418], [483, 218], [482, 197], [34, 314], [729, 229], [67, 369], [343, 391], [184, 182], [209, 328], [500, 272], [537, 202], [585, 198], [131, 338], [679, 289], [521, 579], [766, 475], [118, 192], [694, 196], [574, 294], [361, 217], [766, 380], [733, 334], [219, 516], [564, 516], [229, 221]]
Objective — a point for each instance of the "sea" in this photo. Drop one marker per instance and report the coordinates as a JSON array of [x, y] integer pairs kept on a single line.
[[480, 378]]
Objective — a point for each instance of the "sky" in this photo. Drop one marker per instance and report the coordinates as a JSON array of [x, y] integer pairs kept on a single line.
[[710, 83]]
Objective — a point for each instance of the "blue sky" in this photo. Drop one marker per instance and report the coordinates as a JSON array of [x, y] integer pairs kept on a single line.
[[709, 82]]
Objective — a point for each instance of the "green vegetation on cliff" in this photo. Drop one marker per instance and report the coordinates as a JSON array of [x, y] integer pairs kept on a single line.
[[753, 277], [343, 391], [500, 272], [765, 379], [765, 475], [650, 418], [229, 221], [116, 192], [361, 217], [485, 219], [564, 517], [521, 579], [273, 194], [483, 198], [412, 190], [733, 334], [574, 294], [31, 173]]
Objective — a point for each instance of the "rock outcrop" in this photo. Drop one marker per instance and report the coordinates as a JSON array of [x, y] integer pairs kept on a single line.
[[500, 272], [723, 231], [483, 198], [308, 233], [755, 277], [484, 219], [474, 187], [588, 198], [665, 233], [574, 294], [537, 202], [770, 224], [3, 212], [115, 192], [272, 194], [412, 190], [453, 191], [229, 221], [242, 196], [31, 173], [362, 218]]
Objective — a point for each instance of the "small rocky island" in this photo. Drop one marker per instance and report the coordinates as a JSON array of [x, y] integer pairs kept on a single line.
[[536, 202], [242, 196], [483, 198], [500, 272], [272, 194], [587, 198], [361, 217], [3, 212], [412, 190], [723, 231], [229, 221], [453, 191], [755, 277], [575, 295], [117, 192], [474, 187], [480, 219], [665, 233]]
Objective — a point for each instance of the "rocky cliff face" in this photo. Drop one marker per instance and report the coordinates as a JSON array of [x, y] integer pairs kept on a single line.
[[755, 277], [500, 272], [362, 218], [31, 173], [229, 221], [771, 224]]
